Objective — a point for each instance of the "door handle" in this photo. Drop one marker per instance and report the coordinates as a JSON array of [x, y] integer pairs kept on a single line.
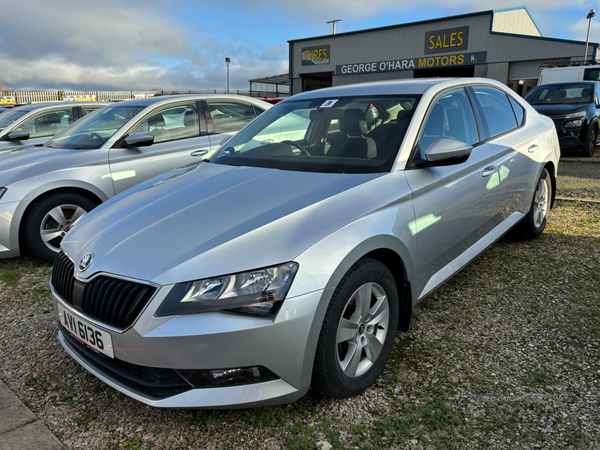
[[199, 153], [488, 171], [532, 148]]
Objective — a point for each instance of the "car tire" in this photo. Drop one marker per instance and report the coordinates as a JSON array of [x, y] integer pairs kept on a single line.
[[590, 144], [49, 218], [533, 224], [358, 331]]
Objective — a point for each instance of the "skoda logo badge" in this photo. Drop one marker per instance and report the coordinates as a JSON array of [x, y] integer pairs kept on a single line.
[[85, 262]]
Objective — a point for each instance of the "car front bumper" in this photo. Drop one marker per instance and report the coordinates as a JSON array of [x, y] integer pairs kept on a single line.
[[210, 341], [9, 238]]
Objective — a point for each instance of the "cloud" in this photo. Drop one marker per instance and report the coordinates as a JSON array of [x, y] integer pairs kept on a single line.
[[181, 44]]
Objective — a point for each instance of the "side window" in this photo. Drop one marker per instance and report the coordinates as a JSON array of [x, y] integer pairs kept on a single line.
[[230, 115], [48, 123], [88, 109], [598, 94], [498, 113], [172, 122], [518, 109], [591, 74], [258, 111], [451, 117]]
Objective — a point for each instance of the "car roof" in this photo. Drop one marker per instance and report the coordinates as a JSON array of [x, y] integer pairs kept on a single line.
[[35, 106], [560, 83], [183, 97], [399, 87]]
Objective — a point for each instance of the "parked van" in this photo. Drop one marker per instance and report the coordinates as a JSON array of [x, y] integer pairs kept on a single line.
[[574, 73]]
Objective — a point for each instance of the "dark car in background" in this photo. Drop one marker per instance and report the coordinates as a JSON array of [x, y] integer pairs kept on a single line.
[[575, 108]]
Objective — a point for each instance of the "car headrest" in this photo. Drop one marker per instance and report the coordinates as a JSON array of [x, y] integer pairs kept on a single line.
[[156, 121], [189, 119], [353, 123], [50, 119]]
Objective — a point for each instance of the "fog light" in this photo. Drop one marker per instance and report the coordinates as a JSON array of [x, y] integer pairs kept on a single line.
[[202, 379]]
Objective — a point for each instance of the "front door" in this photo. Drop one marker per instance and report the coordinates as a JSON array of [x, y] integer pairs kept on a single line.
[[179, 139]]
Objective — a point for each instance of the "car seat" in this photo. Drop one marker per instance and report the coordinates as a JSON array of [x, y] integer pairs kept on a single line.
[[352, 143], [156, 128]]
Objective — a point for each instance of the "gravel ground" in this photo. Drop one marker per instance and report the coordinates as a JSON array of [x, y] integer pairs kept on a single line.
[[504, 356]]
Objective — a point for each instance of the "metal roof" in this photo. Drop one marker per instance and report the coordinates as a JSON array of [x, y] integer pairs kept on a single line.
[[284, 78]]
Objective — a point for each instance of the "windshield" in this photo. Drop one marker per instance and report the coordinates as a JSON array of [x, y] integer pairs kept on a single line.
[[558, 94], [334, 135], [93, 130], [9, 117]]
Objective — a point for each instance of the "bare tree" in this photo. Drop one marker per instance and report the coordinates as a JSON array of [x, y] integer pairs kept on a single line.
[[3, 87]]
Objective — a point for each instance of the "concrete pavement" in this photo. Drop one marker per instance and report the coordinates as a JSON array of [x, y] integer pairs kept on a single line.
[[20, 429]]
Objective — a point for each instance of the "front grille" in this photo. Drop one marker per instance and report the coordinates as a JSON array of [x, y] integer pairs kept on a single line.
[[62, 277], [151, 382], [109, 300]]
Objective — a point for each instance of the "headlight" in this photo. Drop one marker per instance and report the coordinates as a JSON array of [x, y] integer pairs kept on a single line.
[[575, 114], [256, 292], [574, 124], [2, 191]]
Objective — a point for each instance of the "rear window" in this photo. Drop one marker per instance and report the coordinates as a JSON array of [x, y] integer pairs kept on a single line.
[[558, 94]]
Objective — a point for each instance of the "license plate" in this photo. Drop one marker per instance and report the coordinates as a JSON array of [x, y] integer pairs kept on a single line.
[[87, 333]]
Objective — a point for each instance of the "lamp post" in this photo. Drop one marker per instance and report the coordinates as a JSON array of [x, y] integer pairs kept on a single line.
[[591, 14], [228, 60]]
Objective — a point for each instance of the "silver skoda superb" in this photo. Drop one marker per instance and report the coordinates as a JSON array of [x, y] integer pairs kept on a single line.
[[294, 256]]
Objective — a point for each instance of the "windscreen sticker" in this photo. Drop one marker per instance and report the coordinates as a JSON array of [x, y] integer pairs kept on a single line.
[[329, 103], [106, 110]]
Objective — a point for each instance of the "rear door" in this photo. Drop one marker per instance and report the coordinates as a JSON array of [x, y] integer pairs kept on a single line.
[[180, 137], [515, 143]]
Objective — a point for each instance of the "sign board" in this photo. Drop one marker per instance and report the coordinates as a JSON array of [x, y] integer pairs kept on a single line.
[[448, 40], [79, 98], [395, 65], [313, 56], [8, 100]]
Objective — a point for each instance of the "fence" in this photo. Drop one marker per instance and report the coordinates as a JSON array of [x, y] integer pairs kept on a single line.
[[22, 97]]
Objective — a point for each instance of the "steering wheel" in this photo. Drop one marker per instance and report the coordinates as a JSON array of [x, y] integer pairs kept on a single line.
[[96, 136], [298, 146]]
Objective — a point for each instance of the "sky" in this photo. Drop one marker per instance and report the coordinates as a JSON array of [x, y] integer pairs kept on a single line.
[[182, 44]]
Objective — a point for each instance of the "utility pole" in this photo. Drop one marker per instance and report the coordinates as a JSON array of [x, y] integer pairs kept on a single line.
[[334, 22], [591, 14]]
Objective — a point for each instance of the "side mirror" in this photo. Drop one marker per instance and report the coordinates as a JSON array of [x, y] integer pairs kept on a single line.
[[225, 141], [138, 140], [447, 152], [18, 135]]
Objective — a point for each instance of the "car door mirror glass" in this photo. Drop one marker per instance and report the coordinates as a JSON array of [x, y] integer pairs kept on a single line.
[[138, 140], [19, 135], [447, 151]]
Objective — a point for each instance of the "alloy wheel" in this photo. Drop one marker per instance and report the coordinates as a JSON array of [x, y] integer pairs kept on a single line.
[[57, 222], [362, 329]]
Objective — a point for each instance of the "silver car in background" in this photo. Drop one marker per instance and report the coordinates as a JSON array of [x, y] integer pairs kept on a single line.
[[294, 256], [34, 124], [43, 191]]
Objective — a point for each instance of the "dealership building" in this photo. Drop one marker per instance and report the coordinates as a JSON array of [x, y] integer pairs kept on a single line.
[[504, 44]]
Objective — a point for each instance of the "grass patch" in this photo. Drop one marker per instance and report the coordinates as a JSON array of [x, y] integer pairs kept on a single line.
[[133, 443], [84, 417], [10, 277]]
